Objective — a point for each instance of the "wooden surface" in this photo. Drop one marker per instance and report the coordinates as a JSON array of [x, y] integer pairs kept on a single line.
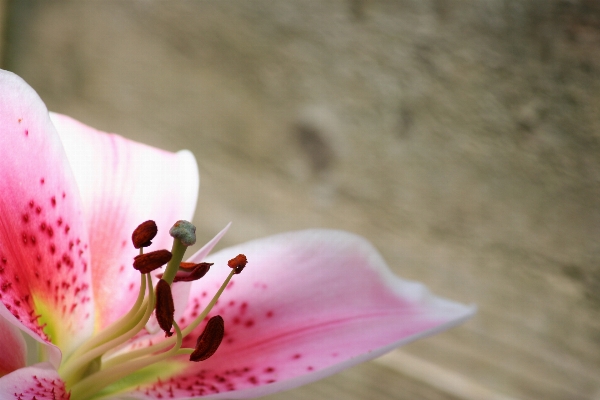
[[461, 137]]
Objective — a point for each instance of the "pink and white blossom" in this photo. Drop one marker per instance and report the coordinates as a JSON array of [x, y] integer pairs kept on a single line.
[[309, 303]]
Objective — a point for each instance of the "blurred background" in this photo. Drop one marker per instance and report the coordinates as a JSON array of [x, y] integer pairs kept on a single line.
[[461, 137]]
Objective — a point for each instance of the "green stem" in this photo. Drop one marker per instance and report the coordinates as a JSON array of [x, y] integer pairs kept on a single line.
[[168, 342], [188, 329], [71, 372], [177, 251], [115, 329], [98, 381]]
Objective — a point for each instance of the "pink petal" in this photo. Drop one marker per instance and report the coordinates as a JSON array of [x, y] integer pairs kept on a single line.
[[39, 381], [308, 305], [201, 254], [123, 184], [44, 260], [13, 349]]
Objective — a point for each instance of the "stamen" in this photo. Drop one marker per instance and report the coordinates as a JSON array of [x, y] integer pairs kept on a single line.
[[194, 273], [187, 266], [117, 328], [94, 383], [208, 342], [238, 263], [142, 235], [150, 261], [102, 360], [165, 309], [70, 371], [186, 331]]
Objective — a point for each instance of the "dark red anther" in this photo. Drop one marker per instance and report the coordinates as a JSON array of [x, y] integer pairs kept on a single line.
[[150, 261], [142, 235], [238, 263], [190, 273], [208, 342], [187, 266], [165, 309]]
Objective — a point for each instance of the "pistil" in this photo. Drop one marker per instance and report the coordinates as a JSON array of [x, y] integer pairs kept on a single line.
[[184, 235]]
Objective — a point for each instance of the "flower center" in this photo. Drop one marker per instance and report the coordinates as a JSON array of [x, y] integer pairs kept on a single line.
[[99, 362]]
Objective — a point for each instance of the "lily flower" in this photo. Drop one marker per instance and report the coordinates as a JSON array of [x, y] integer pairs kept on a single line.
[[77, 320]]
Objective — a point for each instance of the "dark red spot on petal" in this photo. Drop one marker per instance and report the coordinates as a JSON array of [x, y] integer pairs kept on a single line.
[[53, 201]]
